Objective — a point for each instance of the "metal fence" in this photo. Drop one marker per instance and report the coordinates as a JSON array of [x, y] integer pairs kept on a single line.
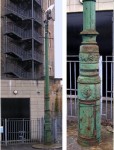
[[106, 71], [18, 131]]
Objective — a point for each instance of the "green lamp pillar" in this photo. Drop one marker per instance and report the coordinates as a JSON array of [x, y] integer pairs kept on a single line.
[[89, 121], [47, 118]]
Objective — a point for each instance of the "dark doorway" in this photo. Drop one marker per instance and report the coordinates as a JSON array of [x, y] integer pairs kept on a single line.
[[15, 108], [15, 114], [103, 26]]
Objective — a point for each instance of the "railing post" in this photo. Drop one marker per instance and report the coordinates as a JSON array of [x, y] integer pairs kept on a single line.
[[55, 129], [100, 74], [6, 132], [42, 124], [23, 132]]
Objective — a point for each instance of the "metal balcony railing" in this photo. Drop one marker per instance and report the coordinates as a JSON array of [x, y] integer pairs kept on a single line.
[[39, 2], [12, 8], [38, 17], [28, 34], [12, 28], [24, 34], [24, 55], [13, 67], [37, 36], [23, 14], [12, 48], [37, 56]]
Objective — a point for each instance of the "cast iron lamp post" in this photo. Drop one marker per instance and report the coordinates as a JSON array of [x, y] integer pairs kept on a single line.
[[47, 118], [89, 122]]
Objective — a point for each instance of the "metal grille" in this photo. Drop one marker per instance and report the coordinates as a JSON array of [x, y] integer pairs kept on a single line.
[[107, 93], [18, 131], [22, 131], [19, 20]]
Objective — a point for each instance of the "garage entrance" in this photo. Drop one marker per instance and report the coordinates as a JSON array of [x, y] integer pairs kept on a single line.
[[15, 114], [15, 108]]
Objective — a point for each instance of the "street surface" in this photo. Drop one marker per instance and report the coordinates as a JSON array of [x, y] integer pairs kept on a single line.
[[106, 143]]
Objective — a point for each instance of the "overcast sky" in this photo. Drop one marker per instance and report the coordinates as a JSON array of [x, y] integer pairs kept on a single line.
[[58, 39]]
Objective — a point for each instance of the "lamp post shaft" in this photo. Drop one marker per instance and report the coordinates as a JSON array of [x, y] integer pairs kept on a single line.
[[47, 119], [89, 127]]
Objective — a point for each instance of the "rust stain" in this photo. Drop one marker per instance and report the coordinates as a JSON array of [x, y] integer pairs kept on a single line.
[[89, 48], [87, 138], [89, 102], [88, 128], [89, 31]]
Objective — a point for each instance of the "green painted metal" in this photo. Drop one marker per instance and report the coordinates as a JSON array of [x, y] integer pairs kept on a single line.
[[47, 119], [89, 122]]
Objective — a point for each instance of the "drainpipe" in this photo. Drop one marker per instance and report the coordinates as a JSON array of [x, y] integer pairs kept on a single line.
[[89, 121]]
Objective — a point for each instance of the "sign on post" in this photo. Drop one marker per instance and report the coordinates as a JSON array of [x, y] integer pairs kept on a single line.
[[1, 129]]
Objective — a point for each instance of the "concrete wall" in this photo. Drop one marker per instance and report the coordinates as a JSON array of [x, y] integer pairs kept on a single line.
[[76, 6], [35, 91], [26, 89], [55, 92]]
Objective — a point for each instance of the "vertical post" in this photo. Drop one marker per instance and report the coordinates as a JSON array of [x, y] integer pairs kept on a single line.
[[101, 77], [32, 40], [113, 32], [6, 132], [40, 131], [47, 119], [23, 132], [55, 129], [89, 90], [113, 56], [42, 124]]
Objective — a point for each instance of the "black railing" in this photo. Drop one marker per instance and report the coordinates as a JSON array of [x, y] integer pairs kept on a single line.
[[27, 34], [37, 36], [12, 8], [38, 17], [24, 34], [36, 56], [13, 67], [24, 55], [39, 2], [13, 28], [15, 10], [23, 14], [13, 48]]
